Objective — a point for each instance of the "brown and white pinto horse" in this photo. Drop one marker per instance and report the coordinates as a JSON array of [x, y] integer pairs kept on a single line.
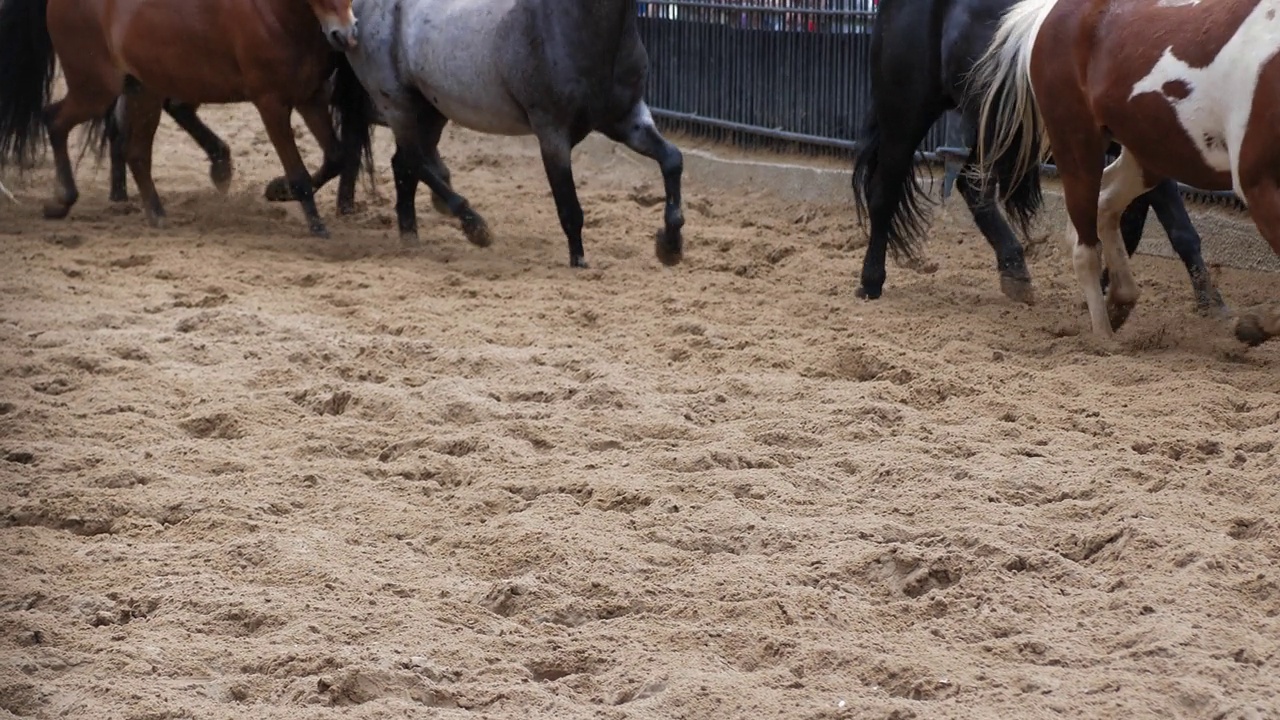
[[1189, 88]]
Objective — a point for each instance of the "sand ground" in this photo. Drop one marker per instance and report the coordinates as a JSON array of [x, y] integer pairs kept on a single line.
[[247, 473]]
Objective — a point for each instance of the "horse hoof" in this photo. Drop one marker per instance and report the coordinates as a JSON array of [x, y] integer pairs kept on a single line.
[[410, 239], [278, 190], [118, 196], [320, 231], [579, 262], [862, 293], [56, 211], [1018, 289], [1249, 330], [669, 253], [156, 221], [477, 231], [1118, 314], [220, 173]]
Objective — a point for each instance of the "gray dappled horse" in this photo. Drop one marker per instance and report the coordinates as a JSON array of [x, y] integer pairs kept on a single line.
[[557, 69]]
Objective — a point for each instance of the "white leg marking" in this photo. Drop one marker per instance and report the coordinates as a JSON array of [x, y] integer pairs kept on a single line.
[[1219, 96], [1088, 268], [1121, 184]]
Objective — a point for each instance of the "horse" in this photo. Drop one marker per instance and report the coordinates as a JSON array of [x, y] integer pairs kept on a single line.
[[556, 69], [921, 56], [1189, 90], [276, 54]]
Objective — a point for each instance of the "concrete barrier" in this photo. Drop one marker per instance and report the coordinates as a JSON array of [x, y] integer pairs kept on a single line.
[[1229, 236]]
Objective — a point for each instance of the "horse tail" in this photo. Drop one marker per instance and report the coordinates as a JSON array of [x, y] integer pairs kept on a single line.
[[26, 54], [1011, 140], [907, 214], [102, 131], [352, 111]]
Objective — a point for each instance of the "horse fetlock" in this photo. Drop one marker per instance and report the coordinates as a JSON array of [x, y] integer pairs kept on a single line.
[[475, 228]]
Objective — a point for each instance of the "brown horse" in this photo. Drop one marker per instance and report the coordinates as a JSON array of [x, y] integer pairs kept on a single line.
[[1189, 89], [276, 54]]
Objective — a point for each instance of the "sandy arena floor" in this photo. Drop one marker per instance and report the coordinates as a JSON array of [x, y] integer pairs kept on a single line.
[[247, 473]]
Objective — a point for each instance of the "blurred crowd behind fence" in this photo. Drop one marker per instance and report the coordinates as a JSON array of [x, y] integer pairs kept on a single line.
[[785, 74]]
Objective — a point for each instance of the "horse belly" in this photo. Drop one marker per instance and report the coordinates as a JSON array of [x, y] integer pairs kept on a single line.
[[176, 50], [1209, 103]]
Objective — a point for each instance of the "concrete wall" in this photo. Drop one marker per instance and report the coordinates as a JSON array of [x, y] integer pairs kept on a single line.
[[1229, 236]]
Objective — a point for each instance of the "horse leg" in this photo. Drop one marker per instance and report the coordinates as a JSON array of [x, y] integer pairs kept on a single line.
[[437, 165], [417, 133], [220, 169], [404, 169], [60, 118], [640, 134], [1015, 278], [1078, 158], [141, 119], [1185, 241], [1122, 182], [116, 149], [275, 117], [885, 183], [315, 113], [557, 149], [1263, 198]]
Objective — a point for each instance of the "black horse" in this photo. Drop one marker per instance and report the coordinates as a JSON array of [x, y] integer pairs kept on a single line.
[[921, 54]]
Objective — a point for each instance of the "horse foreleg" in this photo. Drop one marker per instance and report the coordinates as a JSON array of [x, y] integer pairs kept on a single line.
[[220, 168], [640, 134], [275, 117], [556, 161], [417, 131], [60, 118], [141, 118], [116, 150], [1122, 182]]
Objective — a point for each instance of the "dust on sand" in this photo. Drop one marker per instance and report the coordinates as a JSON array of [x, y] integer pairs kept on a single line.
[[250, 473]]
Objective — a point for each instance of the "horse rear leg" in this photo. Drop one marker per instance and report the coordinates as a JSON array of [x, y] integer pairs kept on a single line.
[[220, 168], [557, 148], [60, 118], [640, 134], [275, 117], [1015, 278], [884, 179], [141, 119], [1122, 182]]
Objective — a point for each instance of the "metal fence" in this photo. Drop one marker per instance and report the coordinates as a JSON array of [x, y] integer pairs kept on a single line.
[[787, 74]]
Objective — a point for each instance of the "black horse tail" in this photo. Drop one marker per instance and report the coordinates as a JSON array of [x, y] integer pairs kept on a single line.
[[28, 61], [900, 187], [1020, 190], [352, 112]]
